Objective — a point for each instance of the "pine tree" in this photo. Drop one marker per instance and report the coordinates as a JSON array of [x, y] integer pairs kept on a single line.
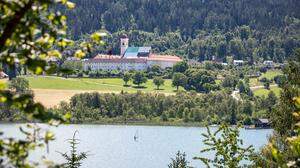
[[74, 160], [179, 162]]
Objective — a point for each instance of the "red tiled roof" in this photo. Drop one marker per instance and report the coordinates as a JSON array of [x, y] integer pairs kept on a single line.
[[115, 59], [155, 57], [102, 56], [118, 59]]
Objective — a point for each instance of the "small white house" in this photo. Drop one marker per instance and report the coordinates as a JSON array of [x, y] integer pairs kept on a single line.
[[269, 64], [238, 62]]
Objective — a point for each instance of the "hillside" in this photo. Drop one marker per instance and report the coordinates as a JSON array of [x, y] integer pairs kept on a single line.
[[189, 16], [202, 30]]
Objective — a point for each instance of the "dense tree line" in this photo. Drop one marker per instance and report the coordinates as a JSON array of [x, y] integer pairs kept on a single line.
[[200, 30], [211, 108]]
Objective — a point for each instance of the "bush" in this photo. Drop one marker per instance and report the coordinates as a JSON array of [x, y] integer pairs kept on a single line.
[[92, 74], [80, 74], [280, 80], [19, 85], [263, 80], [267, 85], [247, 121], [263, 69]]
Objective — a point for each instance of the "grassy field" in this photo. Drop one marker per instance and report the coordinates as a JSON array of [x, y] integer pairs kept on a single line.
[[269, 75], [105, 85], [50, 91], [265, 92]]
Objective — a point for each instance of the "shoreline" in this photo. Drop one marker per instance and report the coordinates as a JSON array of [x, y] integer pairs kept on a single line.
[[167, 124], [152, 124]]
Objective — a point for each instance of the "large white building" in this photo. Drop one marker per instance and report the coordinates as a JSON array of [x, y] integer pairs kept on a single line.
[[130, 58]]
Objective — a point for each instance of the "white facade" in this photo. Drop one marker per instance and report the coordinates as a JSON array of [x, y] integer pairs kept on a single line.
[[269, 64], [238, 62], [124, 64], [119, 64], [124, 45]]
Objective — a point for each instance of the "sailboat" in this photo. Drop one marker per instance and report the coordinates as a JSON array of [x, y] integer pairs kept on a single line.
[[136, 136]]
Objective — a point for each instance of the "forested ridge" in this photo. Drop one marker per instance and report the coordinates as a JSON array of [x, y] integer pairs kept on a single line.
[[252, 30], [189, 16]]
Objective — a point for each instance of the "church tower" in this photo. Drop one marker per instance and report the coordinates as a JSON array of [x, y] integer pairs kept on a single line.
[[124, 44]]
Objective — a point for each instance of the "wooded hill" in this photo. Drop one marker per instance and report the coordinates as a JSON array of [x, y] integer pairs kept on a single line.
[[198, 29]]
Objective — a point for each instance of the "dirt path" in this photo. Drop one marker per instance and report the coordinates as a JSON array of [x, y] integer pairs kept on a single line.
[[51, 97]]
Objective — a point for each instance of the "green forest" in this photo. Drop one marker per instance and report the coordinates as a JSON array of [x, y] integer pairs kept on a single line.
[[212, 108], [200, 30]]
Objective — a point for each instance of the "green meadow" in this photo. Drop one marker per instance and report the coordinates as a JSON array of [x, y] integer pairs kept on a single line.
[[105, 85], [265, 92], [269, 75], [117, 84]]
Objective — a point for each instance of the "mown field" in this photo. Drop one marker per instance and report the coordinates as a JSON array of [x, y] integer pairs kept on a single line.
[[265, 92], [269, 75], [104, 85], [52, 90], [115, 84]]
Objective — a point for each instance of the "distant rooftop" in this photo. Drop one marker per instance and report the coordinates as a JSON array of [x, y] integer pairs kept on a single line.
[[152, 57], [135, 52], [262, 120], [241, 61], [124, 36]]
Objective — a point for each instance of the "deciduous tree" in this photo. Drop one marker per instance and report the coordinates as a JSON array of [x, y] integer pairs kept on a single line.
[[139, 78], [179, 79], [126, 78], [158, 81]]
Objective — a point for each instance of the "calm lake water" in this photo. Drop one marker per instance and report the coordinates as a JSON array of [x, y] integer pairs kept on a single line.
[[114, 146]]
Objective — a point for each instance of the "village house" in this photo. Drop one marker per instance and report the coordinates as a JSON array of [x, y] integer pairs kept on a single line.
[[269, 64], [238, 62], [262, 123], [130, 58]]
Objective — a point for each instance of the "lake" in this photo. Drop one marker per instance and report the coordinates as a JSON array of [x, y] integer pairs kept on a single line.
[[111, 146]]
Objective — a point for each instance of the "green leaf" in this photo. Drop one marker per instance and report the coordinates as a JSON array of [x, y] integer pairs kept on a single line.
[[97, 36], [79, 54], [54, 53], [49, 136], [70, 5]]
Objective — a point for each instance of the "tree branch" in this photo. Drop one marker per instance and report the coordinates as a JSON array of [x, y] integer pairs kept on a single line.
[[13, 23]]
